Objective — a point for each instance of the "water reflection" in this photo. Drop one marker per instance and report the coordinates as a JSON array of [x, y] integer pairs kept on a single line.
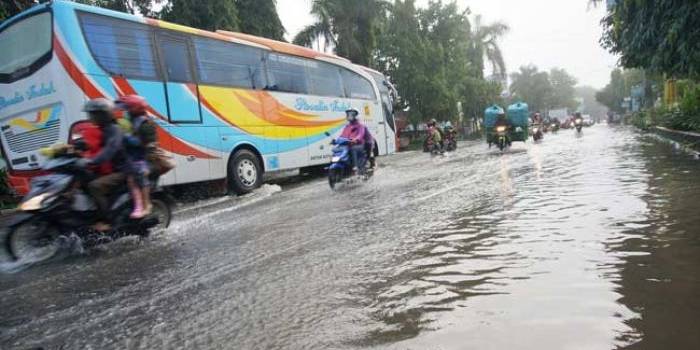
[[560, 254]]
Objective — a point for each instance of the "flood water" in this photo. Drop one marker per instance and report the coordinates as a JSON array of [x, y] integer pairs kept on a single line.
[[588, 242]]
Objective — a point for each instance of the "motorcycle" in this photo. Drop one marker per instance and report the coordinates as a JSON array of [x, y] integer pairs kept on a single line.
[[450, 142], [341, 167], [578, 123], [537, 133], [58, 206], [502, 139]]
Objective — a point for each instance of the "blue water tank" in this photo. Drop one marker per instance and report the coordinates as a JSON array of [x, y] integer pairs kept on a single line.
[[518, 114], [491, 114]]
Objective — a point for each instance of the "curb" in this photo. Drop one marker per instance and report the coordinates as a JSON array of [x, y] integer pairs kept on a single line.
[[690, 140]]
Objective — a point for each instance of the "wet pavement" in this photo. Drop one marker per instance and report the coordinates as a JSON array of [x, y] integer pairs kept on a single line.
[[588, 242]]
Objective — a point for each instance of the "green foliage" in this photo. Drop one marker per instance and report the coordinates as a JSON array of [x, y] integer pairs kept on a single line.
[[429, 56], [658, 35], [259, 17], [685, 116], [209, 15], [484, 44], [532, 86], [563, 91], [9, 8], [351, 26]]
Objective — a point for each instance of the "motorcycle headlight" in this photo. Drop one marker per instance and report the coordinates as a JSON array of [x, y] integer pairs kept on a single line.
[[500, 128], [34, 203]]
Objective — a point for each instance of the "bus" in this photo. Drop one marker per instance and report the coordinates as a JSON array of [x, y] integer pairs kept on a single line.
[[226, 105]]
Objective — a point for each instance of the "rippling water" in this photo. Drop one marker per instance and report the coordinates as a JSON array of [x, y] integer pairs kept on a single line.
[[588, 242]]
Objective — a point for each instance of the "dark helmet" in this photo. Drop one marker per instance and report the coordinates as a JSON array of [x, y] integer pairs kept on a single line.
[[134, 104], [100, 110]]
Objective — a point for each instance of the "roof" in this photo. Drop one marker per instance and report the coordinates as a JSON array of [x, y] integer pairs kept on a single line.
[[280, 46]]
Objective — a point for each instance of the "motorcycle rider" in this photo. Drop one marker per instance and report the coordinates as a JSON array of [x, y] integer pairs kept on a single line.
[[502, 120], [355, 132], [140, 139], [435, 135], [369, 148], [101, 112], [450, 134]]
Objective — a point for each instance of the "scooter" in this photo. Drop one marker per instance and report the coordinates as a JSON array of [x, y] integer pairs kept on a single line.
[[341, 167], [57, 206], [502, 139], [578, 123], [537, 133]]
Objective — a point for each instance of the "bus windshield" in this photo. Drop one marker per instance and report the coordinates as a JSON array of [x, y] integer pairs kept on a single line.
[[23, 44]]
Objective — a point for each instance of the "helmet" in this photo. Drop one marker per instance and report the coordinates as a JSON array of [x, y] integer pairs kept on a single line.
[[99, 105], [352, 112], [100, 110], [134, 104]]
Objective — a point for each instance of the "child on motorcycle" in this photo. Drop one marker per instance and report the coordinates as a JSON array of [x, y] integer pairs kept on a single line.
[[137, 142]]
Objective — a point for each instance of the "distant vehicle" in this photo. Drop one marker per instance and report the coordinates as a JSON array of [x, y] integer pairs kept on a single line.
[[227, 105]]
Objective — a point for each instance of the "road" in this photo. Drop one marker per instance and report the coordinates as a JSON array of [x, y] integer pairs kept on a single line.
[[588, 242]]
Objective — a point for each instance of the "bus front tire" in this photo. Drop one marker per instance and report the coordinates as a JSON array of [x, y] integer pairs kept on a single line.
[[244, 172]]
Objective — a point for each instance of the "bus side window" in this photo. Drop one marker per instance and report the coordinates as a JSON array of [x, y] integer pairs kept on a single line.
[[121, 48], [229, 64], [357, 86], [287, 74]]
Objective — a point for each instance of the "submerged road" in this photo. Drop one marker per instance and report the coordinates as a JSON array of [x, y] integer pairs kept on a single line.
[[588, 242]]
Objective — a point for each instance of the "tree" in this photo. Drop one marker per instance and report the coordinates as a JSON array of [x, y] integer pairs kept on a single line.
[[259, 17], [531, 86], [661, 36], [9, 8], [485, 46], [427, 54], [590, 104], [563, 91], [208, 15], [349, 25]]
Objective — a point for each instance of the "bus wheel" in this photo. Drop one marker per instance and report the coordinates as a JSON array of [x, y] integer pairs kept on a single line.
[[244, 172]]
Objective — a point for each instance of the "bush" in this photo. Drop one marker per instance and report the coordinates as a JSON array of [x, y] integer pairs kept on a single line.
[[685, 116]]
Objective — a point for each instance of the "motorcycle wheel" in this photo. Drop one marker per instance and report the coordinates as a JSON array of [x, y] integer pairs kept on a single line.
[[33, 239], [501, 144], [163, 212], [333, 177]]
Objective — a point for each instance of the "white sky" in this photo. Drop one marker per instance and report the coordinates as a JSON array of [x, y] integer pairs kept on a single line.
[[547, 33]]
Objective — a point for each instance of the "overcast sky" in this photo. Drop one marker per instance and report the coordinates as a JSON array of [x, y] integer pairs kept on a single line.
[[547, 33]]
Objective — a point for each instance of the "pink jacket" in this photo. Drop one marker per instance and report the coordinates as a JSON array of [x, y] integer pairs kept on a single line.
[[354, 131]]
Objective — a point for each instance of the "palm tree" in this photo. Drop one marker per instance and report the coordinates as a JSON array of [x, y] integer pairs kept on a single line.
[[349, 26], [485, 41], [319, 30]]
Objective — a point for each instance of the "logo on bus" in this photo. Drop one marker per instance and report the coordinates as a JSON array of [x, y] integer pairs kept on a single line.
[[31, 93], [302, 104]]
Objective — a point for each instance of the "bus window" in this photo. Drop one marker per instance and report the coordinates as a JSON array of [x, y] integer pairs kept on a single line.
[[120, 47], [229, 64], [324, 80], [356, 86], [287, 73], [26, 46], [176, 56]]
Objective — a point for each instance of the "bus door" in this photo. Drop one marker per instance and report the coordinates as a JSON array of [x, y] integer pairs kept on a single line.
[[387, 122], [182, 96]]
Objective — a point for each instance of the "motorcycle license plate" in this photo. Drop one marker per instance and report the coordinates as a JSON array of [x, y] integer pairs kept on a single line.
[[335, 159]]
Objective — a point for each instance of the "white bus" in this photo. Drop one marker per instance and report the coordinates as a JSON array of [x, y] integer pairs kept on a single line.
[[227, 105]]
